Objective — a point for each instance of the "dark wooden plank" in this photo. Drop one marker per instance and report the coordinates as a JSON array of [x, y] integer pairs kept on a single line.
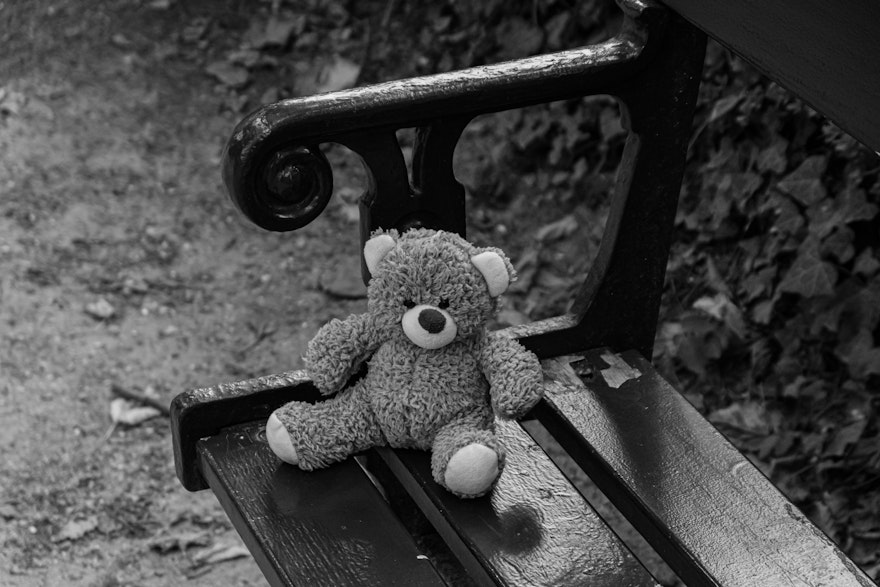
[[825, 52], [703, 506], [329, 527], [200, 413], [532, 529]]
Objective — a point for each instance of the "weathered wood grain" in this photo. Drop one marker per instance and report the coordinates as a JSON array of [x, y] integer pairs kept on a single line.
[[701, 504], [324, 528], [533, 529]]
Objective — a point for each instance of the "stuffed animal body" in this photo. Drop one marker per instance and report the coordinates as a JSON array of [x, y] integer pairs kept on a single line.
[[436, 377]]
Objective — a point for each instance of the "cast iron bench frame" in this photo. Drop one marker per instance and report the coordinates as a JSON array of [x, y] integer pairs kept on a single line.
[[702, 505]]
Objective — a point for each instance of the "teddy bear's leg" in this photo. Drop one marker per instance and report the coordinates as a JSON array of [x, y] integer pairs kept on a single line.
[[466, 457], [316, 435]]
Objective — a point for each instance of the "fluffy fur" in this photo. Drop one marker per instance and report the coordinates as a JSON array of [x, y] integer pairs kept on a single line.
[[420, 391]]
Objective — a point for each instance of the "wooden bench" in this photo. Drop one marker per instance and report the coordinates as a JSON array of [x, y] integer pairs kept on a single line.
[[380, 519]]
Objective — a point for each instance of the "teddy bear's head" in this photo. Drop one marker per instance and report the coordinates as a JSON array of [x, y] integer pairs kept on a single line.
[[432, 286]]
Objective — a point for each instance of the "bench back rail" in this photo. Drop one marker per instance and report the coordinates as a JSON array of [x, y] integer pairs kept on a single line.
[[824, 52]]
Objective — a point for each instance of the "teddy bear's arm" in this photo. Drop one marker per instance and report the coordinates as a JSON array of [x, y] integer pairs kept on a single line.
[[338, 350], [514, 374]]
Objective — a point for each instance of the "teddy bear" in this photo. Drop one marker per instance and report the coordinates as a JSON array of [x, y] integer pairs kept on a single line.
[[436, 377]]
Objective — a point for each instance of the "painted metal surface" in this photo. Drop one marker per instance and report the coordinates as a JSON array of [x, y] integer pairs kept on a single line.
[[825, 52], [204, 412], [365, 119], [700, 503], [300, 535], [652, 66]]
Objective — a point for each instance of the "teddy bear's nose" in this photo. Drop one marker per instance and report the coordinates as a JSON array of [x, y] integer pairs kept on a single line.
[[432, 320]]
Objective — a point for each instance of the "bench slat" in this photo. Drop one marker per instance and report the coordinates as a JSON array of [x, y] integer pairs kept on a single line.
[[822, 51], [701, 504], [329, 527], [532, 529]]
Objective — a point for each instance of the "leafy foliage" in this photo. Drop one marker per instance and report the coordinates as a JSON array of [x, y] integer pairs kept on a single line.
[[779, 214]]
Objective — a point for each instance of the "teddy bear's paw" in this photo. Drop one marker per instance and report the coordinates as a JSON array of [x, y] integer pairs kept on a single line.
[[472, 470], [279, 441]]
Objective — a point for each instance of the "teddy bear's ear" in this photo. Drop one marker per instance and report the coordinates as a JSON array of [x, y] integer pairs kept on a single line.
[[494, 271], [375, 250]]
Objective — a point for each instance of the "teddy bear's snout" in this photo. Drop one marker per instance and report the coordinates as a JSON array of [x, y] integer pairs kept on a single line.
[[429, 327], [432, 320]]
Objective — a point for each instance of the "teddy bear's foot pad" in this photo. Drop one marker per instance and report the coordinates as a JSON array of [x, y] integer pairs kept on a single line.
[[279, 441], [472, 470]]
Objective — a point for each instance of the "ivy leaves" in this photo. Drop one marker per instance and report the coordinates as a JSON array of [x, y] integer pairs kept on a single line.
[[809, 276], [772, 309]]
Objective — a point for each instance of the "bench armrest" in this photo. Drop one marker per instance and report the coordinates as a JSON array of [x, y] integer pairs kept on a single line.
[[204, 412]]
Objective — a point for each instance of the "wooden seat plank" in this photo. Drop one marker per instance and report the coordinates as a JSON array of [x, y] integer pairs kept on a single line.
[[329, 527], [532, 529], [819, 50], [700, 503]]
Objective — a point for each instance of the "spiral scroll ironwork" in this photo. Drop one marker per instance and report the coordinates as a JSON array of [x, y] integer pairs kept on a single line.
[[290, 189]]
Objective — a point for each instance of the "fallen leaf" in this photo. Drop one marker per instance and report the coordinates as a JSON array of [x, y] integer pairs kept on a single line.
[[101, 309], [270, 96], [134, 285], [773, 157], [562, 228], [557, 27], [804, 183], [220, 553], [809, 275], [341, 74], [344, 280], [180, 541], [609, 124], [762, 313], [846, 436], [76, 529], [839, 244], [554, 282], [758, 283], [518, 38], [861, 355], [125, 412], [866, 263], [748, 416], [245, 57], [279, 31], [526, 271], [724, 105], [724, 310], [511, 317], [195, 30], [115, 161], [8, 511], [806, 191], [229, 74], [849, 206]]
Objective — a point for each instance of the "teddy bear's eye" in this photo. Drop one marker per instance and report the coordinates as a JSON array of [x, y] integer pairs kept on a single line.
[[409, 304], [444, 303]]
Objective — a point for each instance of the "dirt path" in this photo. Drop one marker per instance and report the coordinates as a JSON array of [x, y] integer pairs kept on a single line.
[[121, 262]]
